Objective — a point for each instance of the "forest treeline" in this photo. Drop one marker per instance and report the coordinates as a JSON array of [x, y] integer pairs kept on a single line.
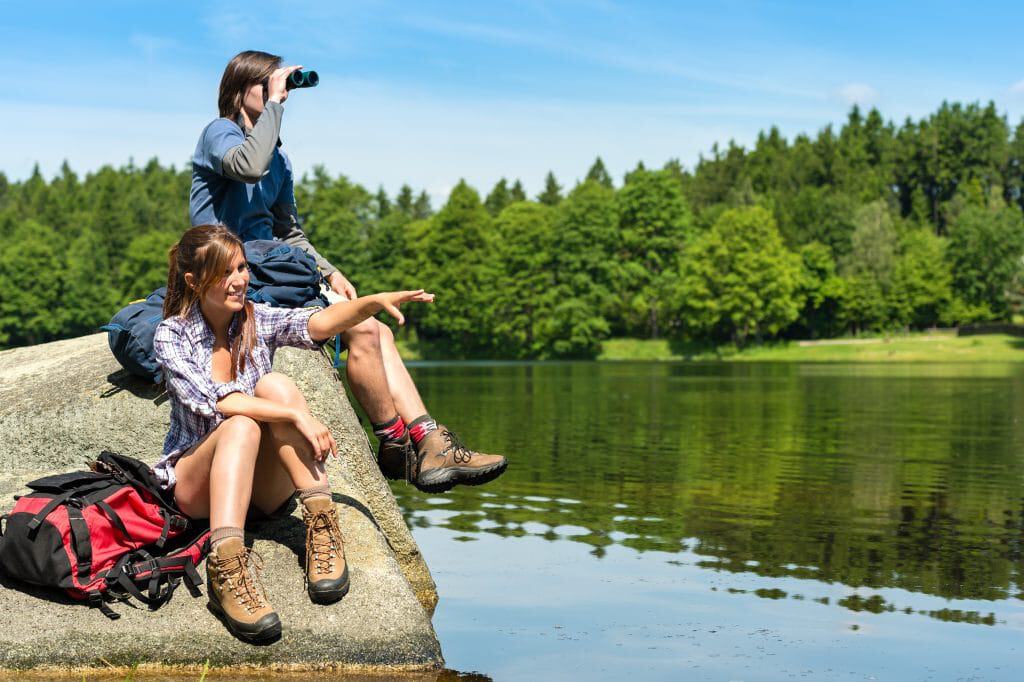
[[871, 227]]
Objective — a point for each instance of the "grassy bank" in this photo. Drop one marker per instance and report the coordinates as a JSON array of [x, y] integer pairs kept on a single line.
[[923, 347], [920, 347]]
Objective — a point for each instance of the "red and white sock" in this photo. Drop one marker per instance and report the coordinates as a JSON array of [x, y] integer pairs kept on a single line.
[[393, 429], [421, 427]]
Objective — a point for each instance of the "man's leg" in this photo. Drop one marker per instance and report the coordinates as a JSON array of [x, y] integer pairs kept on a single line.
[[404, 393], [382, 385], [365, 370]]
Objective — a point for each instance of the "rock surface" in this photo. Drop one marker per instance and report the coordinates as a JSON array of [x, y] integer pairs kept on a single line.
[[62, 403]]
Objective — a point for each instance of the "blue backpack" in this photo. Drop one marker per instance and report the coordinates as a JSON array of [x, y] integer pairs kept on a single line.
[[130, 335], [280, 275]]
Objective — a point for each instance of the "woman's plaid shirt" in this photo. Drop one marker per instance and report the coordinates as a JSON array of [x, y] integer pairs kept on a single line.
[[184, 348]]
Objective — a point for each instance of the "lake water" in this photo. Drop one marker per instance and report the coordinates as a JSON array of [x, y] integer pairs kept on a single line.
[[730, 521]]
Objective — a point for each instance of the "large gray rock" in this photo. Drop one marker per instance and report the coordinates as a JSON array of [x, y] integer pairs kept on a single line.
[[62, 403]]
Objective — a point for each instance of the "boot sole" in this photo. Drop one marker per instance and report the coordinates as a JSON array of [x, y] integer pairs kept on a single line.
[[266, 634], [331, 594], [447, 478]]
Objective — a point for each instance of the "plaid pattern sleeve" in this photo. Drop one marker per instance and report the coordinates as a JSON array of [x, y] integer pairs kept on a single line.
[[285, 326], [186, 381]]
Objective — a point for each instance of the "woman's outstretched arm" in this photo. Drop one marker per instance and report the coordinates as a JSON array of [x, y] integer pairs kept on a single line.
[[343, 315]]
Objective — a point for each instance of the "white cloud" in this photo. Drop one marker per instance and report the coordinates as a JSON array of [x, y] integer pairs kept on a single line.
[[1017, 88], [857, 93]]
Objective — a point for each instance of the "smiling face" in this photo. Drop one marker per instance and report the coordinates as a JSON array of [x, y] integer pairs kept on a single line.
[[221, 288], [229, 292]]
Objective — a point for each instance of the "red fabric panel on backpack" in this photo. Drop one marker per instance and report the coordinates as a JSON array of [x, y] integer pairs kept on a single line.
[[142, 520]]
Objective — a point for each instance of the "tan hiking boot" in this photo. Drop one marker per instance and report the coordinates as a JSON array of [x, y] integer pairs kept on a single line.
[[444, 462], [326, 569], [394, 457], [236, 595]]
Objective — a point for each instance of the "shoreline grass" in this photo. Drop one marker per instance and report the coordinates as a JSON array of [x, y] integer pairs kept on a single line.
[[943, 346]]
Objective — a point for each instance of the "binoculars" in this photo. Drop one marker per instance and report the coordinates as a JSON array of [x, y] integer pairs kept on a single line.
[[302, 79]]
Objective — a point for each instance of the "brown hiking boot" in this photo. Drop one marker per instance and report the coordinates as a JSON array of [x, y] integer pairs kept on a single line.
[[236, 595], [395, 456], [326, 569], [444, 462]]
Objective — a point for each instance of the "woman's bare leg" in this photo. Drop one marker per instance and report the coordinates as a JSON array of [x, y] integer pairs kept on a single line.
[[215, 479], [286, 462]]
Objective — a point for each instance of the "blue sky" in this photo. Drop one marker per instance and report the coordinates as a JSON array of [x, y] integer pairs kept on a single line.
[[428, 92]]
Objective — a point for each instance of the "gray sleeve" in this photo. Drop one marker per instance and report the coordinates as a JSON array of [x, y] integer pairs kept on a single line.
[[286, 228], [248, 161]]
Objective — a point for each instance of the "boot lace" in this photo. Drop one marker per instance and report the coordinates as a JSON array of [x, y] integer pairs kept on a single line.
[[462, 454], [242, 574], [323, 540]]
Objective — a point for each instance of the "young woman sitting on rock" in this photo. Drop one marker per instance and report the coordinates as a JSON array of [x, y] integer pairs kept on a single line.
[[241, 436]]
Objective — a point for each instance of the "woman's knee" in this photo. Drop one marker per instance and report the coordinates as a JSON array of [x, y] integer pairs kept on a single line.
[[279, 388], [241, 429]]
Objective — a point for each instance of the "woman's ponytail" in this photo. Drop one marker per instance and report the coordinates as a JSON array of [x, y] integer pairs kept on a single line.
[[175, 283]]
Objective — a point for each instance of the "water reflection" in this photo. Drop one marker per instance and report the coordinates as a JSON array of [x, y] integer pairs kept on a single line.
[[872, 477]]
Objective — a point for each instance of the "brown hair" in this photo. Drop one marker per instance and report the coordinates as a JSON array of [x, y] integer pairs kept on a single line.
[[206, 251], [244, 69]]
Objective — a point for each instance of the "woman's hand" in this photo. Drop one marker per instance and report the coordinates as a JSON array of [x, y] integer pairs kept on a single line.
[[277, 90], [389, 301], [341, 286], [318, 435]]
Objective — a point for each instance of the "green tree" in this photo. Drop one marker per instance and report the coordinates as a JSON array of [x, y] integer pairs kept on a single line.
[[985, 251], [90, 297], [517, 193], [452, 260], [144, 265], [498, 199], [922, 281], [524, 292], [599, 174], [30, 290], [654, 223], [552, 193], [421, 207], [822, 291], [738, 280]]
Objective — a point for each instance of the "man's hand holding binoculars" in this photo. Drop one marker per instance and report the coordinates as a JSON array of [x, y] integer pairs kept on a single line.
[[277, 84]]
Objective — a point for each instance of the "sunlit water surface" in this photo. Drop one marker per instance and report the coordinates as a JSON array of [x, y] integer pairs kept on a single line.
[[730, 522]]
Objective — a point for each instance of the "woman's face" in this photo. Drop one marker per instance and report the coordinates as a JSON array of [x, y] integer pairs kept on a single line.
[[229, 292], [253, 100]]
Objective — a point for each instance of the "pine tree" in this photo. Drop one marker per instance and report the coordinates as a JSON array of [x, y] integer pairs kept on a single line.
[[404, 201], [552, 193], [517, 193], [498, 198], [599, 174], [382, 203], [421, 207]]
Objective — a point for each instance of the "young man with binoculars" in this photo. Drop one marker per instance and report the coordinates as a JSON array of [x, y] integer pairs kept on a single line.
[[242, 179]]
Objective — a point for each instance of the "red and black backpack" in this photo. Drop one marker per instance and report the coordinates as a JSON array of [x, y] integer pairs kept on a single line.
[[108, 533]]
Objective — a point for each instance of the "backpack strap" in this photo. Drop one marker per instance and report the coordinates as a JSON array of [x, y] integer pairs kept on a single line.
[[114, 518], [96, 602], [37, 520], [81, 541]]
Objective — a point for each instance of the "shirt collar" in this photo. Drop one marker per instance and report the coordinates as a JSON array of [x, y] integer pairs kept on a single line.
[[200, 331], [241, 124]]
